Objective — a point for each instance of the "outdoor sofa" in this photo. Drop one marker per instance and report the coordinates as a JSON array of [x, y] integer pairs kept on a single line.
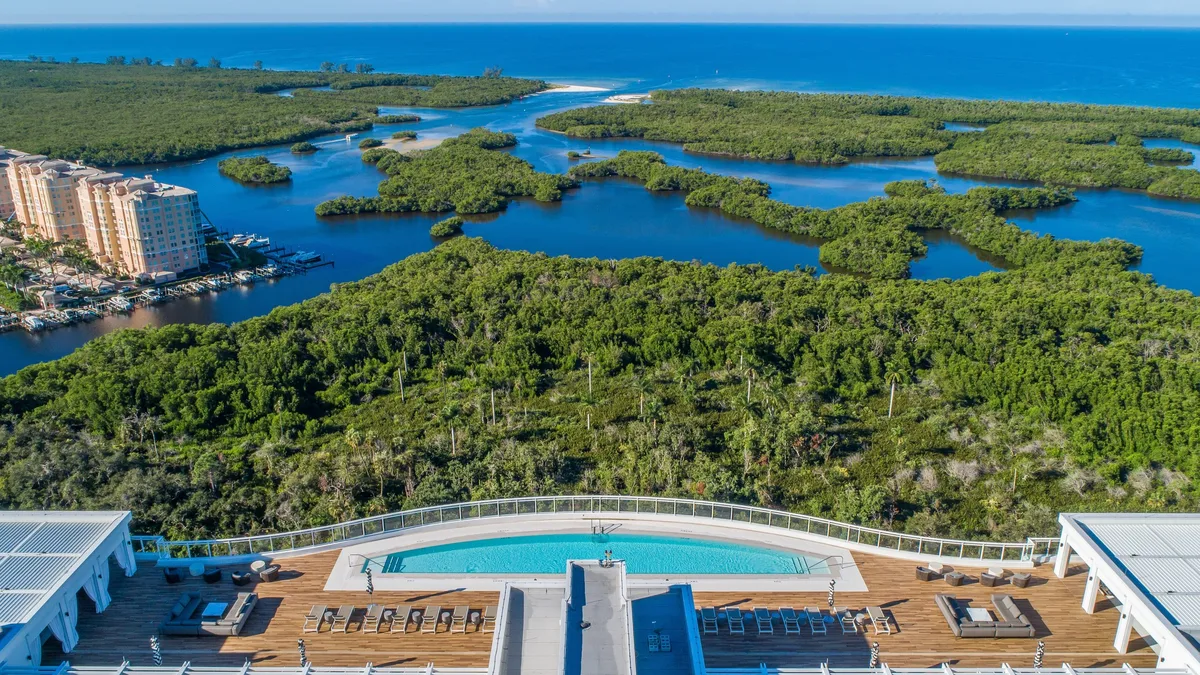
[[185, 617], [1009, 621]]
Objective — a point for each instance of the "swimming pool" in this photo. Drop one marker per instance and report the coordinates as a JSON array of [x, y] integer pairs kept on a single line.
[[643, 553]]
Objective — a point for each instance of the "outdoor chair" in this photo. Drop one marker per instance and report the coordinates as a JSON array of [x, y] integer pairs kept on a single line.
[[402, 616], [708, 620], [431, 618], [371, 620], [314, 619], [341, 619], [762, 617], [879, 620], [458, 621], [791, 621], [241, 578], [172, 575], [733, 616], [212, 576], [269, 573], [1020, 579], [816, 622], [846, 619], [489, 619]]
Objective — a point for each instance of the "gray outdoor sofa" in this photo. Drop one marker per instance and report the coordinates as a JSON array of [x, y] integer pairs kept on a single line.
[[1009, 621], [185, 617]]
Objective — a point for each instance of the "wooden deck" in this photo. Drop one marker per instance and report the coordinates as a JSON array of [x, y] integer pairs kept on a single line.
[[269, 638], [920, 636]]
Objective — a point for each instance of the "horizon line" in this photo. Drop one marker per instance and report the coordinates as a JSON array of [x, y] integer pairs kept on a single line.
[[1017, 20]]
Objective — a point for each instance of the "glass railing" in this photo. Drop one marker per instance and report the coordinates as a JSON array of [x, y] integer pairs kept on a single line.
[[872, 538]]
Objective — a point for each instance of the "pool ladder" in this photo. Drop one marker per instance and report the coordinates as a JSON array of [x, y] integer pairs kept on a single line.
[[598, 527]]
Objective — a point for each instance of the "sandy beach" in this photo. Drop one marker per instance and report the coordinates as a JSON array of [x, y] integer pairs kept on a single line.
[[570, 89], [627, 98], [401, 145]]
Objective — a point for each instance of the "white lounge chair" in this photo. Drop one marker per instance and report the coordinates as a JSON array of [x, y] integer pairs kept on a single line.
[[402, 616], [341, 619], [314, 619], [431, 618], [652, 642], [791, 621], [458, 621], [370, 622], [708, 620], [762, 616], [816, 622], [846, 619], [879, 620], [489, 619], [733, 616], [664, 641]]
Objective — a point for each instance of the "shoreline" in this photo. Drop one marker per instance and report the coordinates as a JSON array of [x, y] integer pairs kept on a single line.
[[404, 146], [570, 89], [627, 98]]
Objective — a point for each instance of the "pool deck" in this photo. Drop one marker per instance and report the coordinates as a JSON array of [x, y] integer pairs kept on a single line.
[[920, 636]]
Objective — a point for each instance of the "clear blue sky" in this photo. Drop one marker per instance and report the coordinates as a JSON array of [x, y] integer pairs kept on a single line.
[[287, 11]]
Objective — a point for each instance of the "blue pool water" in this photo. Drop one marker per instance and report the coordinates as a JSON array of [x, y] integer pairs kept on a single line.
[[643, 554]]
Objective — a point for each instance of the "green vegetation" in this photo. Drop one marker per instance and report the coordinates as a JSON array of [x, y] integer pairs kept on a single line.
[[397, 119], [1058, 144], [879, 237], [257, 169], [368, 143], [447, 228], [427, 91], [571, 154], [405, 135], [1020, 395], [303, 147], [242, 257], [111, 114], [461, 174]]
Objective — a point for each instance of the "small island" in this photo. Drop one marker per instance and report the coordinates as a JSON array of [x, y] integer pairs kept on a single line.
[[368, 143], [444, 229], [303, 148], [397, 119], [257, 170], [572, 154], [405, 135]]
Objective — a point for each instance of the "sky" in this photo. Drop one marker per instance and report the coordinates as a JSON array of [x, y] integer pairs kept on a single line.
[[1111, 12]]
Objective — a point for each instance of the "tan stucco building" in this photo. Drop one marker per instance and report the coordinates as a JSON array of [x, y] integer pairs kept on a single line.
[[134, 225]]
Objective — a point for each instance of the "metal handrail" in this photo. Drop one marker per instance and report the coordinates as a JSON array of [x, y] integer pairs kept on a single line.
[[264, 544]]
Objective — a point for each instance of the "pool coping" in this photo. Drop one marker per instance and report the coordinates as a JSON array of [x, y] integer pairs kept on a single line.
[[347, 574]]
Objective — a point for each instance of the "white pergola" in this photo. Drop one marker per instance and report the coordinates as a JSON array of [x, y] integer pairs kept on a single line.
[[1150, 564], [46, 558]]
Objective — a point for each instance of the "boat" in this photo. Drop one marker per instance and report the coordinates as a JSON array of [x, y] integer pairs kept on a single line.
[[303, 257], [120, 303], [32, 323], [152, 295]]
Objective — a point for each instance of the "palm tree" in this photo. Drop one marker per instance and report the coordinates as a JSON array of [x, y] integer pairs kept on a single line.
[[892, 378]]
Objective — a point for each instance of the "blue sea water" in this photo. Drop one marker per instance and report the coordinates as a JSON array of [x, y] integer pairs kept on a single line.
[[643, 554], [619, 219]]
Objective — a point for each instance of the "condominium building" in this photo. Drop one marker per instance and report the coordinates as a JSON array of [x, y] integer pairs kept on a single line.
[[134, 225], [6, 192]]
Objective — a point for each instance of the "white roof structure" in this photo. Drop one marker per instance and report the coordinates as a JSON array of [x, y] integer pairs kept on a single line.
[[46, 558], [1150, 564]]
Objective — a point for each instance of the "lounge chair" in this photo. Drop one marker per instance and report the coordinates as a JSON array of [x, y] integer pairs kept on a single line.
[[846, 619], [879, 620], [816, 622], [458, 621], [652, 642], [489, 619], [664, 642], [708, 620], [791, 622], [314, 619], [431, 618], [341, 619], [733, 616], [762, 616], [370, 622], [402, 615]]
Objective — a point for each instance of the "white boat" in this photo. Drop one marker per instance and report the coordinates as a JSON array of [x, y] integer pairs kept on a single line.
[[120, 303], [32, 323], [304, 257]]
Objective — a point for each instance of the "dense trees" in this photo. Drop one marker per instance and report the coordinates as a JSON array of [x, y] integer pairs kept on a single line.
[[122, 114], [878, 237], [462, 174], [447, 228], [1052, 143], [1019, 394], [368, 143], [256, 169], [303, 147]]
